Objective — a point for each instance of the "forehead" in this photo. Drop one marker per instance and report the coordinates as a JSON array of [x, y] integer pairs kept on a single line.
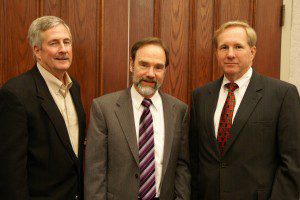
[[57, 32], [151, 52], [234, 34]]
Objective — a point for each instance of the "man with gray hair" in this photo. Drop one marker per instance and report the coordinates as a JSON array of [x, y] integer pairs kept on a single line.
[[42, 121]]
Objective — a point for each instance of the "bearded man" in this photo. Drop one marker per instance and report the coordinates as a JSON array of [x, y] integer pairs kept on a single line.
[[137, 143]]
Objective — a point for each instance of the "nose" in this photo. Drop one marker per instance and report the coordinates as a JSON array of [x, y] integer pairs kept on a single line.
[[63, 47], [151, 72], [231, 53]]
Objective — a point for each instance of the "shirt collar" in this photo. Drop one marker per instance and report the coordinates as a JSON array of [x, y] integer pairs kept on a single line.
[[241, 81], [55, 84], [137, 98]]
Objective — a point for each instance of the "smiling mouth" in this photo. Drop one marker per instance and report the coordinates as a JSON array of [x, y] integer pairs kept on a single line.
[[62, 58]]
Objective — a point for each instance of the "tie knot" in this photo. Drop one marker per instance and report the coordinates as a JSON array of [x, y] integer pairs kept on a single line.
[[231, 86], [146, 102]]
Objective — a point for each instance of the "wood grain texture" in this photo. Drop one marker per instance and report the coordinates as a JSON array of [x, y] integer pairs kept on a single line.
[[174, 31], [102, 38], [141, 20], [115, 46], [267, 25], [2, 38], [18, 54], [200, 46]]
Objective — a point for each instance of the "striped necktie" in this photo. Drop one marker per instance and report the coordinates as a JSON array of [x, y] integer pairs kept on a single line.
[[147, 189]]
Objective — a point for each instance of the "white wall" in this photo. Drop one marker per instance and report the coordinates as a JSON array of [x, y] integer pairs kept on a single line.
[[290, 44]]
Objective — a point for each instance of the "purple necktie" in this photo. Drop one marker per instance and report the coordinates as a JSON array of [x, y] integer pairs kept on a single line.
[[146, 154]]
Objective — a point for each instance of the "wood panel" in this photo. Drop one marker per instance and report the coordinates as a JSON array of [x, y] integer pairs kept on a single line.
[[2, 37], [115, 46], [103, 32], [200, 45], [141, 20], [174, 30], [267, 25], [18, 54]]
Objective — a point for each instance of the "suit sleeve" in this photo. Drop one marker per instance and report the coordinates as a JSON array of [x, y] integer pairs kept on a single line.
[[183, 177], [13, 148], [95, 186], [287, 179], [193, 150]]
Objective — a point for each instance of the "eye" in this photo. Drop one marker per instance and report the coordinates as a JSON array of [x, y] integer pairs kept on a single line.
[[53, 43], [143, 64], [67, 42], [223, 47], [159, 67]]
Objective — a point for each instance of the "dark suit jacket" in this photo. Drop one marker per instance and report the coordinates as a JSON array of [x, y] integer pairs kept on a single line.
[[36, 156], [262, 157], [112, 170]]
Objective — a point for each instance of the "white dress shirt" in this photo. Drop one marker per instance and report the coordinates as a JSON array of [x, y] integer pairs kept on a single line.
[[243, 83], [63, 99], [157, 112]]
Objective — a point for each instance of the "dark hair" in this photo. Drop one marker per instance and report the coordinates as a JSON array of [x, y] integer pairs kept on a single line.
[[146, 41]]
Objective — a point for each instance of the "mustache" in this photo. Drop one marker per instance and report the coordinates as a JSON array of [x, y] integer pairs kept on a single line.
[[148, 80], [62, 57]]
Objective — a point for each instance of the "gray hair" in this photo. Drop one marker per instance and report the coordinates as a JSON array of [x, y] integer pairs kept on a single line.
[[40, 25], [250, 32]]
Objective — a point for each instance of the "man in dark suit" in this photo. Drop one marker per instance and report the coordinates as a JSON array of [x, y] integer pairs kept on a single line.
[[42, 122], [245, 130], [137, 145]]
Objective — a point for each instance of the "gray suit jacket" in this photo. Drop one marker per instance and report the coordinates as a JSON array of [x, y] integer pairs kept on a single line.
[[112, 170], [262, 156]]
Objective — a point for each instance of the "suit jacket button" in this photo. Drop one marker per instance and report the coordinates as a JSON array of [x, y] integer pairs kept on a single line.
[[136, 176], [76, 197], [223, 165]]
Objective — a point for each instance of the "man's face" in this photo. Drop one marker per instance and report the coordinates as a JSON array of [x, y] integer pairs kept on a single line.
[[234, 54], [56, 52], [148, 69]]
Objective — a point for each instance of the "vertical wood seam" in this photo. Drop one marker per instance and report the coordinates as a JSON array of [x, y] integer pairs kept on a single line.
[[191, 45], [99, 47], [157, 18], [128, 41], [216, 22]]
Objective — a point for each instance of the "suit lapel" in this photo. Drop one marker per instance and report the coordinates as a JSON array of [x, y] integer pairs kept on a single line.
[[210, 107], [80, 117], [251, 98], [169, 110], [51, 109], [124, 113]]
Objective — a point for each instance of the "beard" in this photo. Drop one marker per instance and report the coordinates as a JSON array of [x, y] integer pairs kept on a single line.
[[146, 90]]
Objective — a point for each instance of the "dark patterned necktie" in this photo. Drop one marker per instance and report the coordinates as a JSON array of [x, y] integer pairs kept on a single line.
[[147, 189], [226, 117]]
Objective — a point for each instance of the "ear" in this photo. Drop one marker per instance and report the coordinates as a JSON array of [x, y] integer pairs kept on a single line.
[[36, 52], [216, 52], [131, 64], [253, 51]]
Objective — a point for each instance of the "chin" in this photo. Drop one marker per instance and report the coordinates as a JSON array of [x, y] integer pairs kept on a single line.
[[63, 67]]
